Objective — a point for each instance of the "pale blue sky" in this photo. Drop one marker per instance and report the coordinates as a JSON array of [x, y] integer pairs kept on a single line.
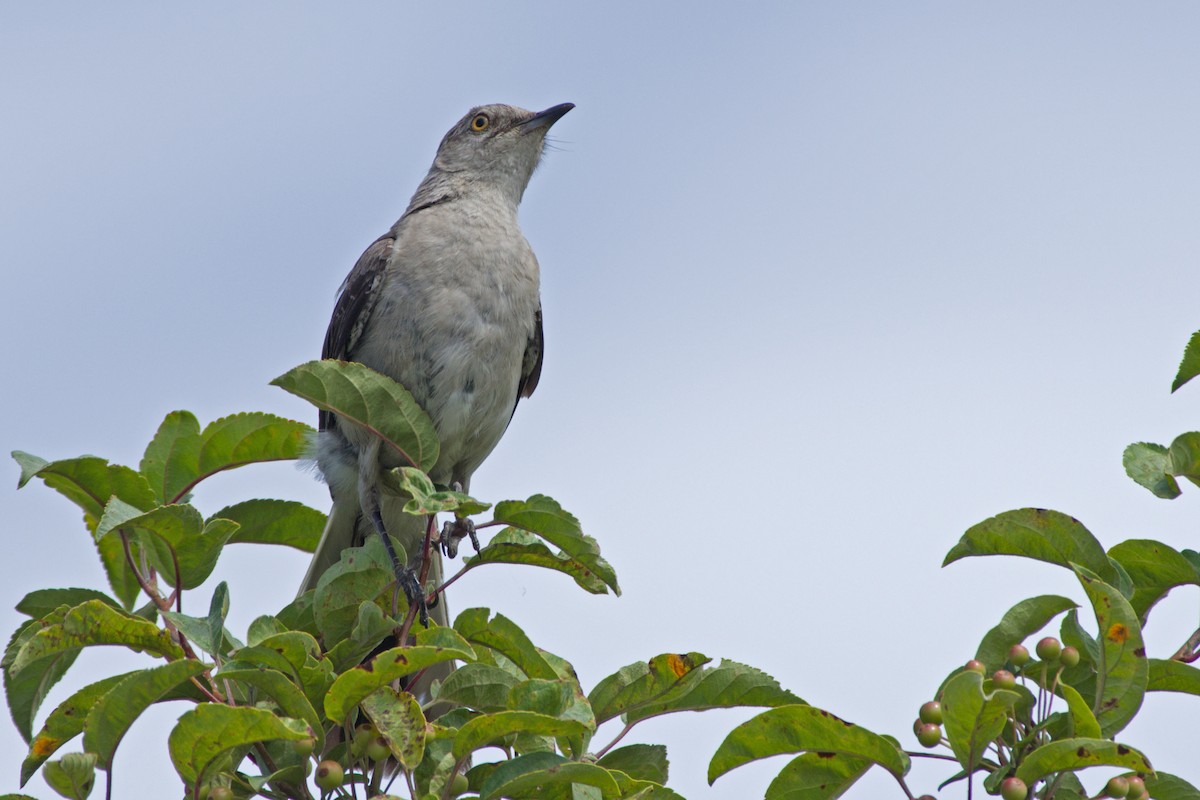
[[824, 285]]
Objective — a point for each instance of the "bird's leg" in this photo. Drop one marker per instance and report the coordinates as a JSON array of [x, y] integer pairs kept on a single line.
[[454, 532], [368, 496]]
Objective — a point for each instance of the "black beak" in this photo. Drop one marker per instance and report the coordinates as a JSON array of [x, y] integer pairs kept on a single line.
[[544, 119]]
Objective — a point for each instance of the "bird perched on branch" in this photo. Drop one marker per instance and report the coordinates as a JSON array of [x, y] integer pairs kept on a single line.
[[447, 304]]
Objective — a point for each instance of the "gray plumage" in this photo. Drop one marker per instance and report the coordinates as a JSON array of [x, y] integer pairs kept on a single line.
[[447, 304]]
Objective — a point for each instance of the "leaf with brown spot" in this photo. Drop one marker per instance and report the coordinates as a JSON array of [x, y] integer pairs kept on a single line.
[[1122, 675], [353, 685], [1071, 754]]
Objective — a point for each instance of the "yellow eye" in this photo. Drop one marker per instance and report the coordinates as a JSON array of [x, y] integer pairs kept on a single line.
[[480, 122]]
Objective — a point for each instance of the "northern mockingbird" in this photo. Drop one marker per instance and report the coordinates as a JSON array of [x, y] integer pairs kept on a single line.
[[447, 304]]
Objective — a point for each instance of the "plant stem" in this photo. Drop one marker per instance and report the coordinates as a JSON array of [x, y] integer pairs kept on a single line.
[[620, 736]]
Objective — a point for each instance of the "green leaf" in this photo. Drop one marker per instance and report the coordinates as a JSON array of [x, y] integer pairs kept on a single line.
[[89, 482], [114, 712], [1122, 671], [515, 546], [1074, 635], [543, 516], [643, 762], [26, 690], [1083, 722], [427, 499], [72, 776], [489, 728], [1172, 676], [362, 573], [1035, 533], [1163, 786], [173, 538], [817, 776], [543, 696], [1072, 754], [479, 686], [728, 685], [211, 729], [505, 637], [1025, 618], [1189, 367], [248, 438], [1146, 464], [172, 458], [1183, 457], [96, 623], [646, 684], [41, 602], [973, 718], [283, 522], [65, 723], [796, 729], [372, 628], [360, 395], [537, 774], [277, 686], [1155, 569], [398, 717], [355, 684], [199, 631], [218, 609]]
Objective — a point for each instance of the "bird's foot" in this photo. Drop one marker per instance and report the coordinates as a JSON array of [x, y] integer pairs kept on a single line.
[[454, 532], [406, 577]]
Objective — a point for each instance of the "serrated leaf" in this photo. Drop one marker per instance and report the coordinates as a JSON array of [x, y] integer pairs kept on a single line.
[[360, 395], [96, 623], [371, 629], [65, 723], [728, 685], [41, 602], [1072, 754], [199, 631], [645, 684], [505, 637], [973, 718], [428, 499], [173, 537], [117, 710], [515, 546], [72, 776], [1122, 670], [398, 717], [26, 691], [361, 574], [279, 688], [798, 729], [211, 729], [479, 686], [172, 458], [1163, 786], [1154, 568], [355, 684], [1183, 456], [1146, 464], [489, 728], [283, 522], [1083, 721], [1189, 367], [248, 438], [1172, 676], [543, 516], [643, 762], [538, 774], [89, 482], [817, 776], [1036, 533], [634, 789], [1025, 618]]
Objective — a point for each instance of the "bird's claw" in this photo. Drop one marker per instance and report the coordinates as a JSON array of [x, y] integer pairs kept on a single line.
[[413, 592], [454, 532]]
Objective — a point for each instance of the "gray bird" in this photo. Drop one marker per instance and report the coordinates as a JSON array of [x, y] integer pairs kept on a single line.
[[447, 304]]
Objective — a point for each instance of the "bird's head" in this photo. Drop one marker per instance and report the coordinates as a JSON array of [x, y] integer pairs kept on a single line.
[[497, 145]]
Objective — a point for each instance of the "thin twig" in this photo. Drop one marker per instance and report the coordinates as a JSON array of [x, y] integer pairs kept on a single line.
[[620, 736]]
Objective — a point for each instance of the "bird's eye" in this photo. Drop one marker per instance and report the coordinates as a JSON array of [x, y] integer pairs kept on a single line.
[[480, 122]]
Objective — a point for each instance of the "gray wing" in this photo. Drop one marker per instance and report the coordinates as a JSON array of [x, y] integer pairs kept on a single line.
[[354, 305]]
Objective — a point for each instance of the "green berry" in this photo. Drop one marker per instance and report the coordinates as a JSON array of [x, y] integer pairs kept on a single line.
[[1018, 654], [363, 735], [304, 748], [1013, 789], [975, 666], [377, 749], [930, 735], [1069, 656], [1137, 788], [931, 713], [330, 775], [1049, 649], [459, 785], [1003, 679], [220, 793], [1116, 787]]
